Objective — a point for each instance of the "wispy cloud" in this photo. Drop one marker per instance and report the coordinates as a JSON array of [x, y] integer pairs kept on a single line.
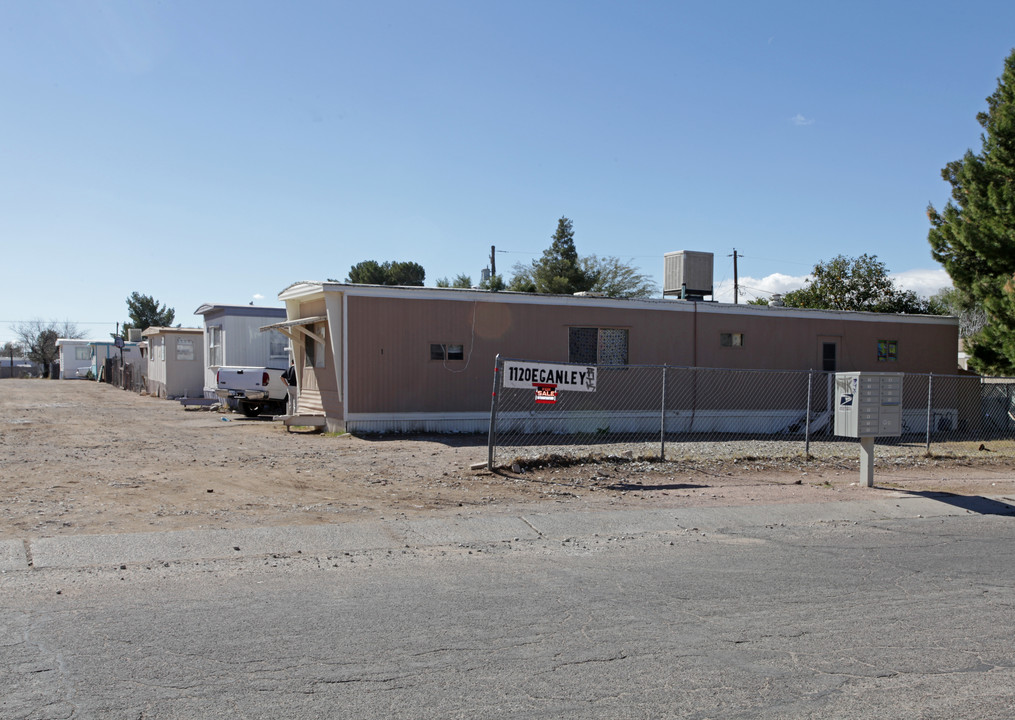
[[258, 296], [924, 282], [765, 287], [799, 119]]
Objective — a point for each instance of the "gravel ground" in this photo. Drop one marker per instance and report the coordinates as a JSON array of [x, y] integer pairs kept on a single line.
[[84, 457]]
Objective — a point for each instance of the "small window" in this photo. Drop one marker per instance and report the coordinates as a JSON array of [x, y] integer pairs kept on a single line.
[[828, 357], [278, 346], [597, 346], [83, 353], [214, 346], [442, 352], [184, 349], [888, 350], [731, 339]]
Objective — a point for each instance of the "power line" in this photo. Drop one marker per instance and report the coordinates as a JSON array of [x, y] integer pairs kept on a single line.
[[60, 322]]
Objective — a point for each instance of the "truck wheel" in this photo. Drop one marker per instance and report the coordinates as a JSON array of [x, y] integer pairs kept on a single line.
[[250, 409]]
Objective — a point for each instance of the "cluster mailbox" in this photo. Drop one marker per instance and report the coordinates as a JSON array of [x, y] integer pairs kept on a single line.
[[868, 404]]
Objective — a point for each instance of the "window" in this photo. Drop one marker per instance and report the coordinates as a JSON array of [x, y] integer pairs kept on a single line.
[[83, 353], [828, 357], [597, 346], [440, 351], [277, 346], [888, 350], [731, 339], [313, 355], [184, 349], [215, 346]]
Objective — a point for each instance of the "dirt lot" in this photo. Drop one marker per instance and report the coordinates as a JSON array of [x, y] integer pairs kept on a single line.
[[83, 457]]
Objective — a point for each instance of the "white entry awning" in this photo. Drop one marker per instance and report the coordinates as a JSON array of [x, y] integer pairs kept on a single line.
[[291, 328]]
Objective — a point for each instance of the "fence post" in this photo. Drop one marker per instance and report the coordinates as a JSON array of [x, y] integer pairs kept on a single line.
[[807, 417], [930, 395], [662, 422], [492, 438]]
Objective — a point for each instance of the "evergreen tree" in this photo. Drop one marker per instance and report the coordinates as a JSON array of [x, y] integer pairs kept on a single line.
[[144, 312], [370, 272], [974, 236], [403, 273], [559, 271], [461, 281], [494, 284]]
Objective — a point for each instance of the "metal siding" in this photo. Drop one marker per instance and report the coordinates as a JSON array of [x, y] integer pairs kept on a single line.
[[389, 339], [184, 377], [243, 343]]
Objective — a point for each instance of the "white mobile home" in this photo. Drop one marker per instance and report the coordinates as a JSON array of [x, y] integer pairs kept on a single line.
[[232, 336], [75, 357], [175, 362]]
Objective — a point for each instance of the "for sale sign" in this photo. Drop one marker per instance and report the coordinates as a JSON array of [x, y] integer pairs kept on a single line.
[[523, 375], [546, 394]]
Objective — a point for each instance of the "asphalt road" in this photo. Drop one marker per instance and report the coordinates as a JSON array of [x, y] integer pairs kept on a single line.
[[900, 608]]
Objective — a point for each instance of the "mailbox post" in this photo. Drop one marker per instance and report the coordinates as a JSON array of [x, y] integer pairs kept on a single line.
[[868, 405]]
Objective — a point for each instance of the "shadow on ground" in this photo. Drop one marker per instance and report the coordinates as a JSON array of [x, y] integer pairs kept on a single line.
[[973, 503], [633, 487]]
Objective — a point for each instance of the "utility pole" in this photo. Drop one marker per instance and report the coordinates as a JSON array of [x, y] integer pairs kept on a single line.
[[736, 279], [493, 261]]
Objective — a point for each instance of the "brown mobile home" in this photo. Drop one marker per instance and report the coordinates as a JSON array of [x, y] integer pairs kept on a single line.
[[379, 359]]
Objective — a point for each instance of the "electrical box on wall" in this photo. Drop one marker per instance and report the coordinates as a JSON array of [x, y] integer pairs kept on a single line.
[[868, 404]]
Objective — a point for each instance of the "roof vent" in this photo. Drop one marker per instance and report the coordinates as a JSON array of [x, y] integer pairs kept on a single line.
[[776, 301], [687, 274]]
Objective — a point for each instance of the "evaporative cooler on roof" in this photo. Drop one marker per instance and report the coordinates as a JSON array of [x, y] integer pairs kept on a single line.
[[687, 274]]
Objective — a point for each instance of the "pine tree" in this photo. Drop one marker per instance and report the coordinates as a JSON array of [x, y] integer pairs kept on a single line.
[[145, 312], [974, 236], [559, 271], [370, 272]]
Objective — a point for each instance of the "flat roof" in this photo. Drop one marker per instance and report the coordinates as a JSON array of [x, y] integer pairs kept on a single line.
[[306, 289]]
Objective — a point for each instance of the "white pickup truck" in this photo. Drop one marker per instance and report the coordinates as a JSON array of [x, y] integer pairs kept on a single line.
[[254, 390]]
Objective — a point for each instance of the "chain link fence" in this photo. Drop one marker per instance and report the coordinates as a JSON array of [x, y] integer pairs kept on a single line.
[[673, 413]]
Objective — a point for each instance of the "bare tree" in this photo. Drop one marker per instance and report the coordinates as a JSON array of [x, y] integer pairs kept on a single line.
[[38, 339]]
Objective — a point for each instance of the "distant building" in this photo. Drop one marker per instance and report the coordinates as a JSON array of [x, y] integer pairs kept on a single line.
[[175, 362], [75, 358], [232, 337]]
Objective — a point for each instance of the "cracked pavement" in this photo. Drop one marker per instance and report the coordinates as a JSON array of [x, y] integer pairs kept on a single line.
[[861, 611]]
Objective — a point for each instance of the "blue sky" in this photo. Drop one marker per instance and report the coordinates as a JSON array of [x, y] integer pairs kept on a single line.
[[219, 151]]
